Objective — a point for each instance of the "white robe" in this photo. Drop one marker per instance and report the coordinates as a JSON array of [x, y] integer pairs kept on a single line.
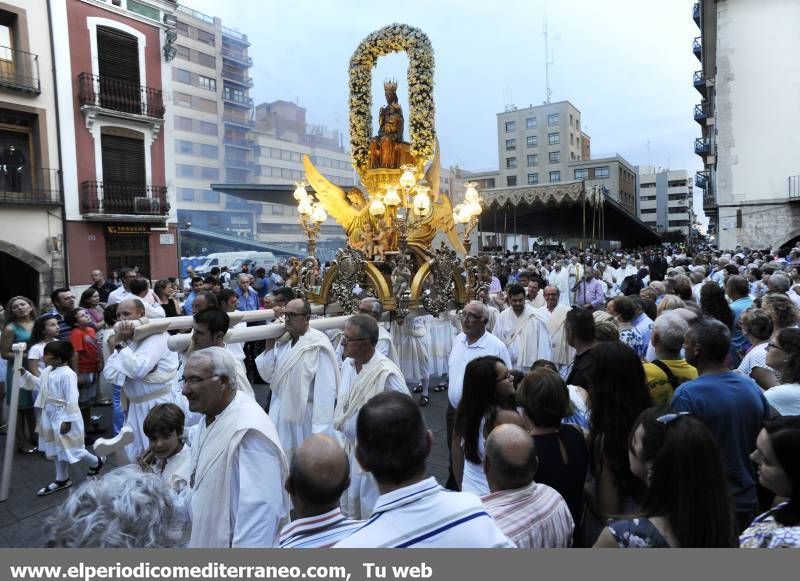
[[318, 366], [529, 342], [385, 345], [237, 473], [575, 274], [359, 499], [562, 353], [441, 332], [560, 280], [146, 371], [413, 348]]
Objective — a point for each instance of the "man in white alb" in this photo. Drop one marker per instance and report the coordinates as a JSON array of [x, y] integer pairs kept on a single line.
[[523, 331], [365, 373], [301, 369], [554, 315]]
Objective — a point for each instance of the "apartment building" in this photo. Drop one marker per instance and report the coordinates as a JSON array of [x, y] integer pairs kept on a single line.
[[665, 199], [615, 174], [749, 119], [537, 144], [112, 73], [212, 115], [31, 234]]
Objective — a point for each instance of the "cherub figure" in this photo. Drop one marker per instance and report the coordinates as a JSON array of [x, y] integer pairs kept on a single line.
[[367, 242], [383, 239], [401, 279]]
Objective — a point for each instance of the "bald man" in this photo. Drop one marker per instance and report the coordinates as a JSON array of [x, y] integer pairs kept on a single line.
[[319, 474], [532, 515]]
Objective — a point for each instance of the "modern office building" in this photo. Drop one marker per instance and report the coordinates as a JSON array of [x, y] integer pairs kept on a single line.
[[750, 122], [536, 144], [615, 174], [665, 199], [112, 72], [31, 234]]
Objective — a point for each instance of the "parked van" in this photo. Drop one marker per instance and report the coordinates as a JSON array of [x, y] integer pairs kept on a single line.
[[254, 260], [234, 261]]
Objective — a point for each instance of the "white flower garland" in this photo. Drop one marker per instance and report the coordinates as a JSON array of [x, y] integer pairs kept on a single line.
[[389, 39]]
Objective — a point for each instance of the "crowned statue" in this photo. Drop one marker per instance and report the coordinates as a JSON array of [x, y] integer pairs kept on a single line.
[[388, 150]]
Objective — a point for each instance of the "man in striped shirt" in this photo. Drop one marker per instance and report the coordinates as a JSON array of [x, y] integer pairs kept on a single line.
[[533, 515], [412, 510], [319, 474]]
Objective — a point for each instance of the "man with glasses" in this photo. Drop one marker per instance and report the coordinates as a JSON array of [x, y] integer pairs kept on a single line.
[[373, 307], [144, 368], [474, 341], [365, 373], [523, 331], [237, 463], [301, 370]]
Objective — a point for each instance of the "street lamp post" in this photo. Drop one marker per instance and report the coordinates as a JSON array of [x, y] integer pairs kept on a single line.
[[311, 216]]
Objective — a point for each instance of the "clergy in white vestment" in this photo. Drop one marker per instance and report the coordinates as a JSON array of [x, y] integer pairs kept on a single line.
[[413, 349], [145, 369], [365, 373], [523, 331], [554, 315], [559, 278], [413, 509], [238, 467], [303, 375], [535, 295], [208, 330], [373, 307], [441, 332], [575, 274], [625, 270]]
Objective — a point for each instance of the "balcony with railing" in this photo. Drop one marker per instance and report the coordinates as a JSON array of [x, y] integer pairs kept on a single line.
[[19, 71], [236, 142], [709, 200], [238, 121], [236, 77], [104, 199], [117, 97], [703, 146], [20, 184], [237, 163], [699, 82], [794, 188], [703, 111], [696, 13], [697, 48], [234, 35], [701, 179], [236, 56], [235, 99]]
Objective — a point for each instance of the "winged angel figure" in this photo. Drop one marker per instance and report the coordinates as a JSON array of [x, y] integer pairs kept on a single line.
[[357, 220]]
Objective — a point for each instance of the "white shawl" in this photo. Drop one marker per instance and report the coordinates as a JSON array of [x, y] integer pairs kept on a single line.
[[369, 382]]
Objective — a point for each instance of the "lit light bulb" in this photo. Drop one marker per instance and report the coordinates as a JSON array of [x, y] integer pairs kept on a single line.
[[407, 180], [300, 192], [376, 208], [471, 194], [391, 198], [304, 207], [318, 214], [422, 203], [474, 208], [457, 213]]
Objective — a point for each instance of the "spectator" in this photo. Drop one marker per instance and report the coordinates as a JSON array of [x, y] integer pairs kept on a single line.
[[204, 300], [731, 405], [782, 311], [580, 331], [776, 454], [531, 514], [126, 275], [84, 343], [669, 369], [624, 311], [686, 503], [248, 298], [102, 286], [715, 305], [739, 293], [756, 325], [783, 355], [197, 287], [63, 300], [20, 318], [90, 300], [167, 293]]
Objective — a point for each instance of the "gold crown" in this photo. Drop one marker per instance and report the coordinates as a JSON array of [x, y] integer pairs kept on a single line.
[[390, 85]]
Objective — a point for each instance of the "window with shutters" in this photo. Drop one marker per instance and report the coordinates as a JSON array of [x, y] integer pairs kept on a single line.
[[118, 69], [124, 173]]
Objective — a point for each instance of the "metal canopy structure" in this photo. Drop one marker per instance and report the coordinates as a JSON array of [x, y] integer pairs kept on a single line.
[[268, 193], [562, 211]]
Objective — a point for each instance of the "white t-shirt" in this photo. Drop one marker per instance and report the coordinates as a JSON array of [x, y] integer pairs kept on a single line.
[[37, 352], [785, 398], [756, 357]]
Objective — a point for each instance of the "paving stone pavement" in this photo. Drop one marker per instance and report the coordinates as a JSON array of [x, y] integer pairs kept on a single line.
[[23, 515]]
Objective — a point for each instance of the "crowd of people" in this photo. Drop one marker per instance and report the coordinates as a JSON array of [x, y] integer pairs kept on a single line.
[[606, 398]]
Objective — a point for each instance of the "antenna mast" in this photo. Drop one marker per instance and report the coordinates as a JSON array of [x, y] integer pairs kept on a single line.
[[547, 62]]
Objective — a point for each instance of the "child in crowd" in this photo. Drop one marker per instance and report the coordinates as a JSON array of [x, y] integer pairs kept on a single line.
[[107, 392], [84, 340], [60, 426], [45, 330], [167, 455]]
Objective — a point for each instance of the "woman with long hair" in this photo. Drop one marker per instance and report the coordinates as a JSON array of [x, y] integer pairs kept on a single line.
[[756, 324], [777, 456], [20, 316], [686, 503], [486, 402], [714, 304], [90, 300], [561, 448], [619, 394], [783, 355]]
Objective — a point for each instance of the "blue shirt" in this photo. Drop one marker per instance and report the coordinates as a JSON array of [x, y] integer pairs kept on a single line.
[[739, 343], [265, 285], [249, 302], [734, 409], [187, 304]]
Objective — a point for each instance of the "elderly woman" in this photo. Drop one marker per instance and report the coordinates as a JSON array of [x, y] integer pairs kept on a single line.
[[126, 508], [783, 355], [757, 327]]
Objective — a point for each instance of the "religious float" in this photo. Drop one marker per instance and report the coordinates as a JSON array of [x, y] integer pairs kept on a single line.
[[391, 226]]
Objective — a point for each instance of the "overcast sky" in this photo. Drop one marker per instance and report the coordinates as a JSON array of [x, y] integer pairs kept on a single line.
[[625, 64]]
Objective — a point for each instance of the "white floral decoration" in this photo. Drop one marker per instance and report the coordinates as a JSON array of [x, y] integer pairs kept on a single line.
[[389, 39]]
